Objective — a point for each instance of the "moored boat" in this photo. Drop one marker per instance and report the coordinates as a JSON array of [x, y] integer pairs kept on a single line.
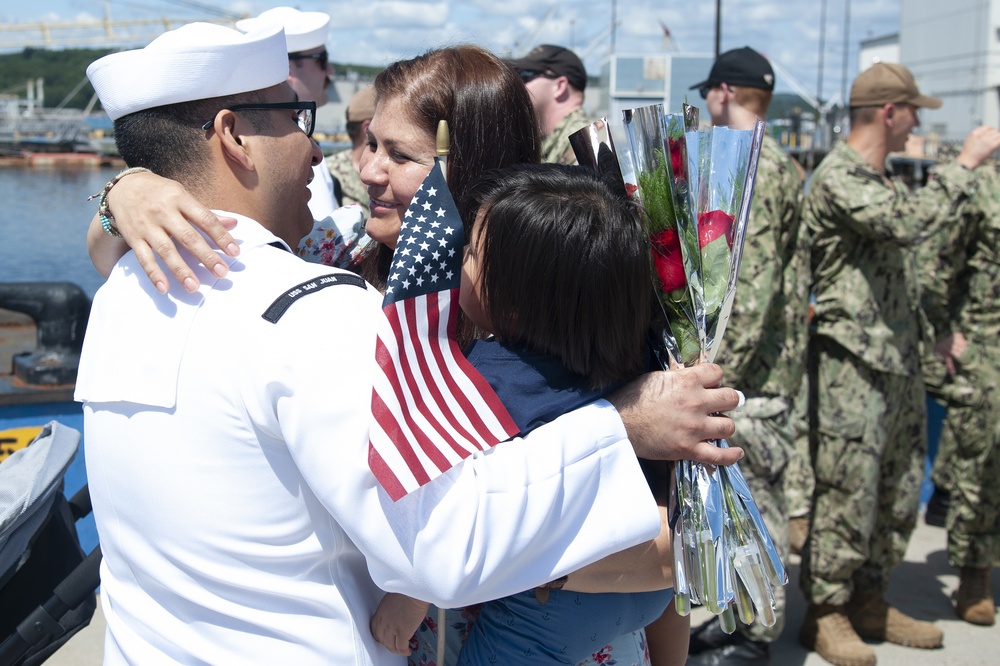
[[41, 334]]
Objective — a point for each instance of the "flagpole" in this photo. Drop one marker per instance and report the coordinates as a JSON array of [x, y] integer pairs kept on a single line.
[[443, 146], [443, 142]]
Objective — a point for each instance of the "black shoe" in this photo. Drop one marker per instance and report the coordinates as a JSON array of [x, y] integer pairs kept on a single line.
[[711, 646], [937, 508]]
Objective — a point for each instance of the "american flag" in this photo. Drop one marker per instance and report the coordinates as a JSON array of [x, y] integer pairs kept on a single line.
[[430, 408]]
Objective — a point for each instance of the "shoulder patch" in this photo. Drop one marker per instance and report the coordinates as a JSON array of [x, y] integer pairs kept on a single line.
[[864, 173], [285, 301]]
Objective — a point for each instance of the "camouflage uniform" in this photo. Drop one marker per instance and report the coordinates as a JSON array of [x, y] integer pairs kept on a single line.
[[555, 146], [765, 344], [341, 166], [869, 418], [961, 281], [799, 480]]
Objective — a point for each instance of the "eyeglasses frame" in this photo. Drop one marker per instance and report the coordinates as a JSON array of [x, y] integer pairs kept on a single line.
[[322, 58], [309, 106]]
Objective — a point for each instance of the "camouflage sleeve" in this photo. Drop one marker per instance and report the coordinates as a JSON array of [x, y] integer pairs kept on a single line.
[[757, 309], [758, 286], [872, 209], [943, 259]]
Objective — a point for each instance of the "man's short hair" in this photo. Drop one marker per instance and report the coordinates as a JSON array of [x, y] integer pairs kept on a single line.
[[755, 100], [169, 140], [863, 115]]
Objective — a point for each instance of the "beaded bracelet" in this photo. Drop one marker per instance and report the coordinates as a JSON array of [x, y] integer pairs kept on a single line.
[[103, 212]]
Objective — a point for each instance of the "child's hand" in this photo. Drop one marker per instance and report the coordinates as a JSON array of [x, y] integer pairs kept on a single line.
[[396, 620]]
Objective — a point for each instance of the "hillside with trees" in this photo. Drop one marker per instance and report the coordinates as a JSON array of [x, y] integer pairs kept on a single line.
[[65, 69]]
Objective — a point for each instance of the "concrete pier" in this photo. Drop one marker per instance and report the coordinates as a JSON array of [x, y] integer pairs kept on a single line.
[[923, 586]]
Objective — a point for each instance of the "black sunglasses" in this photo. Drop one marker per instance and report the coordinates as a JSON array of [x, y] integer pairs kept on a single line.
[[306, 116], [322, 58], [528, 75], [703, 91]]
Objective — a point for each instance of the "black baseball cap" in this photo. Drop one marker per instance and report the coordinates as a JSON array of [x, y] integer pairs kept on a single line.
[[740, 67], [556, 59]]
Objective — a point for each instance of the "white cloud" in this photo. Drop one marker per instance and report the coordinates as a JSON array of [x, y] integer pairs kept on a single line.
[[385, 30], [359, 16]]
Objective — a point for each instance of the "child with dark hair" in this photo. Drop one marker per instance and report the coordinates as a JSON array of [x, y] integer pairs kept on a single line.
[[558, 271]]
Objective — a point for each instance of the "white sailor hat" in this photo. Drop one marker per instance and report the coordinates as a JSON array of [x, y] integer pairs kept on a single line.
[[195, 61], [303, 30]]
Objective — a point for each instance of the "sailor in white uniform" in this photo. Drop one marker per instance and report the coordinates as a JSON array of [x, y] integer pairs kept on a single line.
[[309, 72], [227, 449]]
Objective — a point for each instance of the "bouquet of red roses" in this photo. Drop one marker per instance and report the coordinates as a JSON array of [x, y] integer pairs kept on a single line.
[[695, 187]]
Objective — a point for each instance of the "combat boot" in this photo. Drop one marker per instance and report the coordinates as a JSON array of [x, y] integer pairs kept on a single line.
[[875, 619], [827, 631], [974, 601]]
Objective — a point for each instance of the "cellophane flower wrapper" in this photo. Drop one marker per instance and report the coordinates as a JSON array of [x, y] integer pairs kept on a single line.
[[654, 189], [724, 557]]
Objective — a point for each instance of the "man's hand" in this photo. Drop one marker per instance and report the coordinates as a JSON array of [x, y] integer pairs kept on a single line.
[[980, 144], [395, 621], [951, 348], [675, 415]]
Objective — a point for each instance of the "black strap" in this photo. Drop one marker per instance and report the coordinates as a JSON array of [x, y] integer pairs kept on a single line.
[[43, 622], [283, 302], [865, 173]]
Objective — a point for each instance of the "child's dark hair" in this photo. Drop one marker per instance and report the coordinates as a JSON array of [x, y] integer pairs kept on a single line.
[[565, 266]]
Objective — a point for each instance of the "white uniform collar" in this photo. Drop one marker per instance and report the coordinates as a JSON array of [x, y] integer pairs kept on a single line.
[[136, 336]]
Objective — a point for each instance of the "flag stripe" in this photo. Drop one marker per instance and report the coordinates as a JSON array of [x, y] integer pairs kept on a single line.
[[472, 384], [429, 355], [423, 393], [404, 387], [430, 407], [483, 432], [386, 418], [386, 476]]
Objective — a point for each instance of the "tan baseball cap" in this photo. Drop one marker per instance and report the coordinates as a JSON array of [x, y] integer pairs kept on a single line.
[[889, 83], [362, 105]]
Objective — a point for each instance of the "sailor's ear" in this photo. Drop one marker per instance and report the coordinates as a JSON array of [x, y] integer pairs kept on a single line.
[[229, 129]]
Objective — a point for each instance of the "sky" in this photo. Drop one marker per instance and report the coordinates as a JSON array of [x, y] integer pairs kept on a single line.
[[377, 32]]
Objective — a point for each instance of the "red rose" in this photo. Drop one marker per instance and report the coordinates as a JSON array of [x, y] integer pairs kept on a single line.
[[667, 259], [666, 241], [676, 157], [631, 188], [713, 224]]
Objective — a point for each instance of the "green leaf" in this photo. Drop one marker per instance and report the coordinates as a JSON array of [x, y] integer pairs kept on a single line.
[[655, 195], [715, 260]]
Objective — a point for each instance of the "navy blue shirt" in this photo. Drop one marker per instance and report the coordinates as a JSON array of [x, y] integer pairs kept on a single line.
[[569, 626], [535, 388]]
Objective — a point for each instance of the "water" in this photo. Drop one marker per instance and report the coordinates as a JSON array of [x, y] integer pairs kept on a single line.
[[43, 224], [43, 237]]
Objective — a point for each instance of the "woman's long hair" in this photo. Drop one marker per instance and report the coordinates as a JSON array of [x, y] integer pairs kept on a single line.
[[490, 119]]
